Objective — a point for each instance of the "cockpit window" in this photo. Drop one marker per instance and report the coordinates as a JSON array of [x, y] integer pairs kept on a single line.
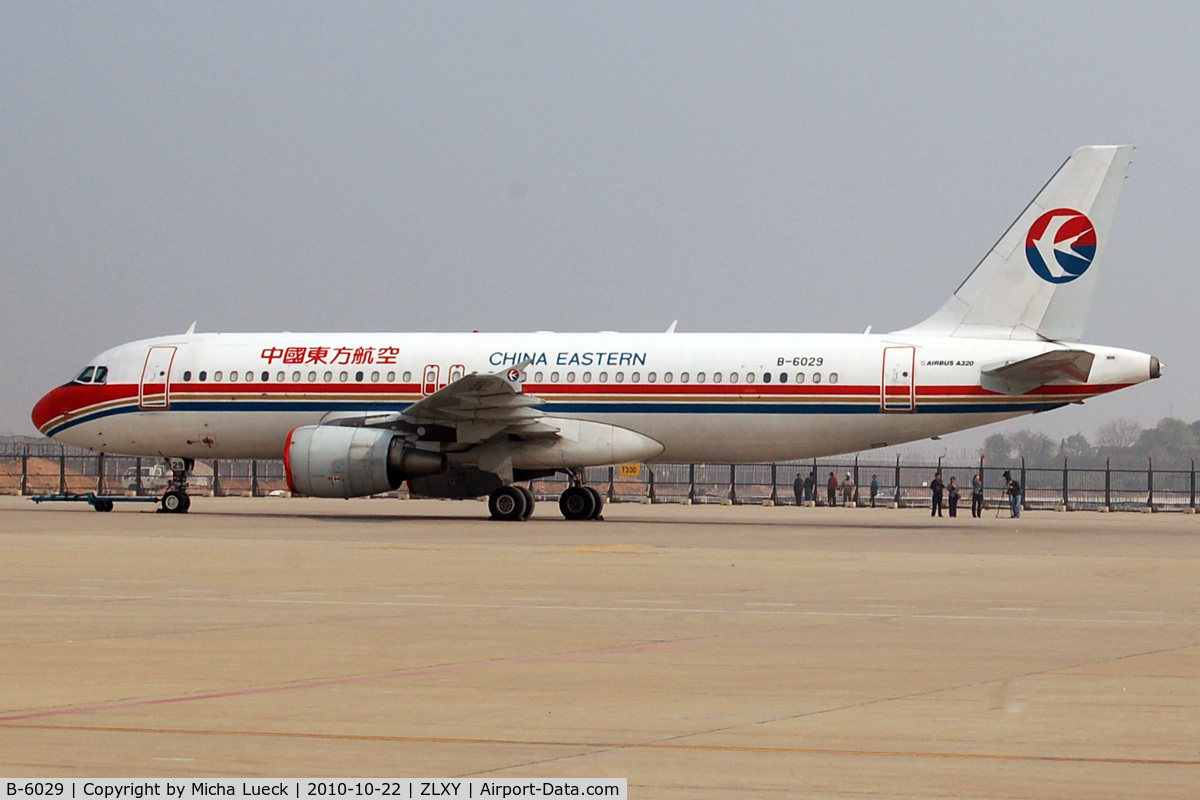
[[86, 375], [101, 375]]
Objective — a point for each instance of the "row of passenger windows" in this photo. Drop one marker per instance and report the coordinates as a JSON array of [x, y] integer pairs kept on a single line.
[[296, 377], [684, 377], [538, 377]]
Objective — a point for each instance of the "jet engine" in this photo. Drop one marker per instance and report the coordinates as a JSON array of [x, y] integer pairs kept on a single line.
[[337, 461]]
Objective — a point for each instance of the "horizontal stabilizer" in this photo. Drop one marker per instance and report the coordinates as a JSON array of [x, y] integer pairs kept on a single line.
[[1056, 366]]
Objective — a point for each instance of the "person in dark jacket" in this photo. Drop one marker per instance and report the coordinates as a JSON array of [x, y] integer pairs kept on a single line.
[[798, 488], [977, 496], [1014, 496], [952, 495], [874, 489], [810, 486], [937, 487], [832, 486]]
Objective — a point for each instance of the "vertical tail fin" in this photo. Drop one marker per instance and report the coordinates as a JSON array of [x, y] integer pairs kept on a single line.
[[1039, 278]]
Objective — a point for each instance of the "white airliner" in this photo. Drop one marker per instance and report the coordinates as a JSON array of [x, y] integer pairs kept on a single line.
[[473, 414]]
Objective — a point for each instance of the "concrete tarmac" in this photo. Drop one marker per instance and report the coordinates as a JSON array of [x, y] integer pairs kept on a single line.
[[697, 651]]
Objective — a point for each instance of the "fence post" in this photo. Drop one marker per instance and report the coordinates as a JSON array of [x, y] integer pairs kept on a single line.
[[1108, 483], [254, 478], [899, 497], [1024, 487], [982, 479], [1150, 481], [774, 483], [1066, 504], [100, 473], [733, 483], [25, 470], [1192, 494], [612, 489], [857, 482], [691, 483], [650, 490], [137, 486], [62, 470]]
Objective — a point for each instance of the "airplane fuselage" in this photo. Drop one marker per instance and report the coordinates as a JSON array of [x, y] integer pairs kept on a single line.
[[704, 397]]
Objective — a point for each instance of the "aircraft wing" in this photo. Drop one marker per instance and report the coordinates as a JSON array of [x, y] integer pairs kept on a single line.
[[1056, 366]]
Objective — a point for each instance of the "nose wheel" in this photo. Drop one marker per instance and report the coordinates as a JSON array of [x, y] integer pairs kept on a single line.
[[176, 499]]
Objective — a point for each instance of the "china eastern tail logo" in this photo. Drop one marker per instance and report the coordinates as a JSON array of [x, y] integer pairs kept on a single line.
[[1061, 245]]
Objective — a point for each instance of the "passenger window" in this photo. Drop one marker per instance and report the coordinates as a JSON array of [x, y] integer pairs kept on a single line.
[[587, 377], [233, 376], [699, 377], [407, 377], [266, 376], [343, 376], [651, 377], [816, 377], [766, 377], [279, 376], [799, 377], [570, 377], [620, 376], [187, 375], [101, 375], [312, 377], [637, 377], [733, 377], [86, 375], [391, 377], [604, 377], [666, 377], [328, 376], [203, 376], [537, 377], [374, 377], [358, 376], [217, 376], [295, 377], [749, 377], [833, 377], [683, 377], [716, 377], [783, 377], [249, 376]]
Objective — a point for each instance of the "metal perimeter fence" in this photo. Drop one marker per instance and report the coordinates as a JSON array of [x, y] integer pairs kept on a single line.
[[47, 468]]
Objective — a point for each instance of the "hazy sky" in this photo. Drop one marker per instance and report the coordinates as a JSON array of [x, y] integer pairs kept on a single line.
[[521, 166]]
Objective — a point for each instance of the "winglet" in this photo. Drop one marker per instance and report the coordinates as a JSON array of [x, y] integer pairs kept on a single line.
[[671, 327], [191, 329]]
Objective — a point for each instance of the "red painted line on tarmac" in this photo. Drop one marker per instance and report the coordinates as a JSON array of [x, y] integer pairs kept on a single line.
[[322, 684]]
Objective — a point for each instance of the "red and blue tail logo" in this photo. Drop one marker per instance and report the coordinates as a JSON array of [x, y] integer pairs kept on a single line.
[[1061, 245]]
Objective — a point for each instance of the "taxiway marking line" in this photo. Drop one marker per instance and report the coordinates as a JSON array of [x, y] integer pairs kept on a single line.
[[705, 748]]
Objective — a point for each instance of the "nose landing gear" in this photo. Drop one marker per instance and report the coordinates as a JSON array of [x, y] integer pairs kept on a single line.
[[176, 500]]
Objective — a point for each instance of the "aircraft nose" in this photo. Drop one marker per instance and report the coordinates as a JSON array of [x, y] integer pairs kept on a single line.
[[53, 405]]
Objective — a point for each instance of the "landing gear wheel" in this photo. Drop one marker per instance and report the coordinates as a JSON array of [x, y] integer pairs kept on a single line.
[[174, 502], [508, 503], [530, 502], [577, 502], [599, 502], [103, 505]]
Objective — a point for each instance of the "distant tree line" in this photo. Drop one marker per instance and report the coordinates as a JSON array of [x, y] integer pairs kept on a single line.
[[1171, 443]]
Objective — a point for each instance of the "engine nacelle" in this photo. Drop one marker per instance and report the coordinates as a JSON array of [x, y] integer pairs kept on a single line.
[[336, 461]]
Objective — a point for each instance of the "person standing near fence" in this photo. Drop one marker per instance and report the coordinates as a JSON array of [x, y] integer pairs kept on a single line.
[[936, 486], [810, 487], [848, 489], [1015, 496], [831, 487], [874, 489], [977, 496], [798, 489], [952, 495]]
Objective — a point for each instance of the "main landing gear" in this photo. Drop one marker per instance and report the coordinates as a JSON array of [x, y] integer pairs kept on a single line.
[[176, 499], [514, 503]]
